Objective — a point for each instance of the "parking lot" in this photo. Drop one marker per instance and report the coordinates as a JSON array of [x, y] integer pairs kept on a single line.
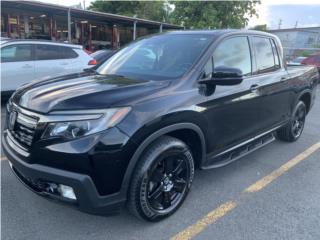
[[283, 205]]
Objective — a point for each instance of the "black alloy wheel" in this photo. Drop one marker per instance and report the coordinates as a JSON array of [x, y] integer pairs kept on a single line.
[[292, 131], [168, 182], [298, 121], [161, 180]]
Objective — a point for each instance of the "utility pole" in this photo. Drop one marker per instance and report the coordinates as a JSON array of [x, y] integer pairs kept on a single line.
[[84, 4], [296, 25], [280, 23]]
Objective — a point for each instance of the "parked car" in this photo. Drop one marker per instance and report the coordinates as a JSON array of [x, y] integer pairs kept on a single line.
[[130, 133], [25, 60], [313, 60], [102, 55], [296, 61]]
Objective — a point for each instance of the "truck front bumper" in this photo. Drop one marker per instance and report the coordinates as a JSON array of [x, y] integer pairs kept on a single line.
[[38, 178]]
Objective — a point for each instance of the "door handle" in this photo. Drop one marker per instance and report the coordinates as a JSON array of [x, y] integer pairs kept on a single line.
[[254, 87], [284, 79], [27, 66]]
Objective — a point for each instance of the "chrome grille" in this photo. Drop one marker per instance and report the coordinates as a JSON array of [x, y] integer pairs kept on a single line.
[[23, 130]]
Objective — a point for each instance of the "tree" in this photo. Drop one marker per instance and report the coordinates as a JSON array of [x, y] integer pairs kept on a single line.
[[152, 10], [262, 27], [213, 14]]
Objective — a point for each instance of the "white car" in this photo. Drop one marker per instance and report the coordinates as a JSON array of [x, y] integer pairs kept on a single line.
[[23, 61], [296, 61]]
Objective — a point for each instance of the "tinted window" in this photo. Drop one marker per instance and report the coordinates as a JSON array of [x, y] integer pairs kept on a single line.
[[275, 54], [264, 54], [208, 69], [67, 53], [16, 53], [51, 52], [233, 53], [166, 56]]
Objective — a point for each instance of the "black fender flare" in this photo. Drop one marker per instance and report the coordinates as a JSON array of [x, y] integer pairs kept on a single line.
[[306, 91], [135, 158]]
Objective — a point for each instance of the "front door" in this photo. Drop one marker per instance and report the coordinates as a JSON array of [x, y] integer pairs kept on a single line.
[[232, 111]]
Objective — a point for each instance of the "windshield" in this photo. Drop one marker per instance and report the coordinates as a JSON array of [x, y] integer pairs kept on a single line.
[[157, 57]]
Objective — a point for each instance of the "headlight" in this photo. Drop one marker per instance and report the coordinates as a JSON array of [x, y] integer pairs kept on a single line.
[[78, 125]]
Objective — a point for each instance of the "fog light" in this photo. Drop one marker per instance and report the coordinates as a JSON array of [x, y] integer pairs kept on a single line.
[[66, 191]]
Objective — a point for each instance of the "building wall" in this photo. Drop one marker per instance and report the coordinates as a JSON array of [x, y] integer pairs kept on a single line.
[[92, 34], [299, 39], [297, 42]]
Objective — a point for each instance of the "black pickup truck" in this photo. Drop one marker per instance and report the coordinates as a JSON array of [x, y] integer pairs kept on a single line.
[[132, 131]]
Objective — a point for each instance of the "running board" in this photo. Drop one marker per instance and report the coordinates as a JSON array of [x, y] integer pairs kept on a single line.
[[221, 160]]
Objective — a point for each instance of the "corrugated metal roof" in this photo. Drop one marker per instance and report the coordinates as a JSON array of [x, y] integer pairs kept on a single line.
[[106, 16]]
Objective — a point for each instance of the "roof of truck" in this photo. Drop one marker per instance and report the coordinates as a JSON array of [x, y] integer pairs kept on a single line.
[[218, 32]]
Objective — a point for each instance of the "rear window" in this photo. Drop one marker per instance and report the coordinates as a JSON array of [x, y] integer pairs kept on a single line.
[[265, 59], [275, 54], [52, 52]]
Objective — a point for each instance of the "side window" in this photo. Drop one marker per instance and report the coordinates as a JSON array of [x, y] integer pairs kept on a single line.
[[264, 55], [47, 52], [208, 69], [275, 54], [67, 53], [16, 53], [233, 53]]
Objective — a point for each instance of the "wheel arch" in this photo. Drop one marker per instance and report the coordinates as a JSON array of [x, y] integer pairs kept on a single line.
[[174, 130], [305, 97]]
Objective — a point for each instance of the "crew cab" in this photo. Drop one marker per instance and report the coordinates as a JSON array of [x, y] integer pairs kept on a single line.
[[133, 130]]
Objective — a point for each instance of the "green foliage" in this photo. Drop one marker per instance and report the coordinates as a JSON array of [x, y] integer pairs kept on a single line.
[[303, 53], [213, 14], [191, 14], [260, 27], [152, 10]]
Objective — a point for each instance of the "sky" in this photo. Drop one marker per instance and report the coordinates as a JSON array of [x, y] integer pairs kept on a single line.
[[304, 13]]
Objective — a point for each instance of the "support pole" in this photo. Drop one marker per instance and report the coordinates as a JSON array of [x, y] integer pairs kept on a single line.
[[9, 26], [69, 25], [90, 37], [161, 28], [134, 30], [18, 26]]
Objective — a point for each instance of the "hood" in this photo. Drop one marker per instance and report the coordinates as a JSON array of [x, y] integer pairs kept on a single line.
[[84, 91]]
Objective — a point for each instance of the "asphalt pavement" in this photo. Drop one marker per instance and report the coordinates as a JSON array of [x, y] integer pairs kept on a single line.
[[288, 207]]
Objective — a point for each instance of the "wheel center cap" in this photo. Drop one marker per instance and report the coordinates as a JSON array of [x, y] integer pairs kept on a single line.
[[166, 181], [168, 185]]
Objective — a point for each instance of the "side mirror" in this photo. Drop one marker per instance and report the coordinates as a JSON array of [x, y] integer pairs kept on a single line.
[[224, 76]]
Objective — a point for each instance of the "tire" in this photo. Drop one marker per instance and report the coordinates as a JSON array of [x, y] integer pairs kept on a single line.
[[161, 180], [292, 131]]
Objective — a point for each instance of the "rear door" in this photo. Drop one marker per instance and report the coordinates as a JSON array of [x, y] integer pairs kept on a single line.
[[272, 82], [53, 60], [17, 66]]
